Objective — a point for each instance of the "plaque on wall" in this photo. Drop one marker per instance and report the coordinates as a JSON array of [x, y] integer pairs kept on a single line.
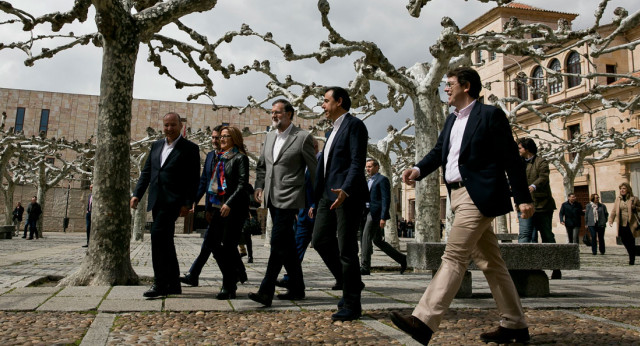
[[608, 196]]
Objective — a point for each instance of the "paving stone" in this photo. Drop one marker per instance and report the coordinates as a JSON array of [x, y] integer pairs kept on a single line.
[[84, 291], [80, 303], [10, 302]]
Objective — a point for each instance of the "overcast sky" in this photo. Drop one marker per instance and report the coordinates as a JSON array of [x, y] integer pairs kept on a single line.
[[405, 40]]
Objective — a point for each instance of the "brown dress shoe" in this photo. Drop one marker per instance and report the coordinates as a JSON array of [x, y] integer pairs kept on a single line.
[[504, 335], [412, 326]]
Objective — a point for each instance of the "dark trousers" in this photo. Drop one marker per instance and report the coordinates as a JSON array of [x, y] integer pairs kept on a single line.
[[304, 231], [629, 242], [32, 226], [372, 234], [88, 220], [597, 231], [283, 252], [223, 243], [335, 238], [203, 257], [166, 270]]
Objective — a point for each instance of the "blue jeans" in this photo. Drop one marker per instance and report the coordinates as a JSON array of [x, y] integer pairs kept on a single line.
[[539, 222]]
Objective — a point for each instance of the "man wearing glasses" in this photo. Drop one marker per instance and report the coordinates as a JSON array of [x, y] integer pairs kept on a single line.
[[286, 154], [475, 149]]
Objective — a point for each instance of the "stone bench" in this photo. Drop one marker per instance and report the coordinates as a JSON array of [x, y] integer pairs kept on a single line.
[[526, 264], [6, 231], [507, 237]]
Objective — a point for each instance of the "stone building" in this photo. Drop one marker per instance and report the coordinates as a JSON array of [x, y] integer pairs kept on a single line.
[[74, 116], [512, 76]]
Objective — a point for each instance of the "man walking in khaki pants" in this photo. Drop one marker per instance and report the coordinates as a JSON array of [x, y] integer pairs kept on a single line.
[[475, 149]]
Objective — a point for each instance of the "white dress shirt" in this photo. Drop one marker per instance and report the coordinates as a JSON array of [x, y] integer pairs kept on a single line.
[[327, 146], [167, 149], [281, 137], [452, 171]]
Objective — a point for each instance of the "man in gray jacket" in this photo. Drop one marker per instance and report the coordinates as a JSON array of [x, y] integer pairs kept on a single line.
[[285, 155]]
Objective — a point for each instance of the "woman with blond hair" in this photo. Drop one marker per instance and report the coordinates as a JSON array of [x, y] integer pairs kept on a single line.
[[625, 211]]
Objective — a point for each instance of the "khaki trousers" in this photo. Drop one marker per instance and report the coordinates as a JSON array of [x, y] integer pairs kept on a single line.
[[471, 237]]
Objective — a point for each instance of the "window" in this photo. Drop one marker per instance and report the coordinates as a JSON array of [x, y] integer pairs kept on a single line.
[[50, 160], [536, 35], [555, 81], [611, 69], [573, 131], [492, 56], [573, 66], [537, 82], [225, 124], [44, 121], [522, 87], [443, 208], [19, 120], [478, 57]]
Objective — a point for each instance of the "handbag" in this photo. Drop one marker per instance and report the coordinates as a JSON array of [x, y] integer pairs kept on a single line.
[[586, 239]]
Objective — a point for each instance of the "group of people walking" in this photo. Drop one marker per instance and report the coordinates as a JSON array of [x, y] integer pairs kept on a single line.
[[328, 190], [571, 212]]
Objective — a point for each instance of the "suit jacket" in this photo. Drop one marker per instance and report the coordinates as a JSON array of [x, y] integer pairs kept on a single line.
[[175, 183], [487, 152], [346, 162], [380, 198], [633, 204], [538, 174], [282, 178]]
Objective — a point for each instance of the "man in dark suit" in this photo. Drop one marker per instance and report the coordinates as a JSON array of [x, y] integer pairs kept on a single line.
[[475, 149], [377, 215], [340, 194], [171, 174], [286, 153]]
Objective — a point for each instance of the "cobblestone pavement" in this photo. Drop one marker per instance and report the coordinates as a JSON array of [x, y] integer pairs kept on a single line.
[[597, 305]]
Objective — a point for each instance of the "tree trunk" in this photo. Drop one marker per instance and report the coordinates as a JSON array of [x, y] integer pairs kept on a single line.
[[501, 224], [107, 261], [41, 195], [140, 219], [7, 193], [426, 112]]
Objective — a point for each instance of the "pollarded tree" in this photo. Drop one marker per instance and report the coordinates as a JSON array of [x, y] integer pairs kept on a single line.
[[121, 27]]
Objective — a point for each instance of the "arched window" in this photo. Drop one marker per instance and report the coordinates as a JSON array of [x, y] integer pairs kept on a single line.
[[537, 82], [573, 66], [522, 87], [555, 81]]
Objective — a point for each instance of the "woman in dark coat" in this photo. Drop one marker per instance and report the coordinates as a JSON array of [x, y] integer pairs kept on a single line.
[[230, 206], [625, 211], [595, 217]]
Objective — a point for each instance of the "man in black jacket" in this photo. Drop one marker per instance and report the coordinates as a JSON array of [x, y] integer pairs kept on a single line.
[[171, 174], [33, 214], [571, 217]]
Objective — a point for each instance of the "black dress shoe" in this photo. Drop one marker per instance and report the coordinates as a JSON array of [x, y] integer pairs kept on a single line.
[[505, 335], [86, 245], [282, 283], [341, 301], [226, 294], [412, 326], [556, 274], [250, 260], [337, 286], [154, 292], [346, 315], [190, 280], [364, 271], [403, 265], [261, 298], [291, 296]]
